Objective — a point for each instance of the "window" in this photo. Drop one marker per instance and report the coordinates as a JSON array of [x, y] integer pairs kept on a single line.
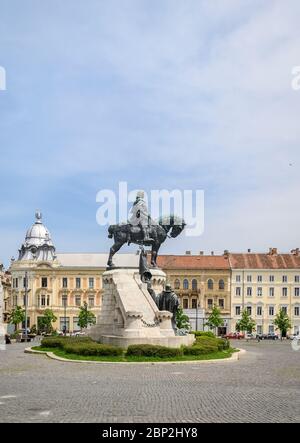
[[194, 303], [91, 283], [210, 284], [64, 323], [185, 303], [210, 303], [65, 282], [297, 311], [238, 292], [259, 279], [237, 310], [297, 278], [221, 285], [194, 285], [44, 282], [297, 292], [272, 278], [259, 310], [259, 292], [24, 300], [64, 300], [249, 292], [284, 309], [271, 292], [15, 300], [249, 278], [271, 311], [44, 300], [15, 283], [78, 282], [284, 292], [24, 282], [284, 279], [249, 310], [177, 284], [238, 278], [77, 300], [271, 329], [259, 329], [91, 302], [185, 284], [76, 326], [221, 303]]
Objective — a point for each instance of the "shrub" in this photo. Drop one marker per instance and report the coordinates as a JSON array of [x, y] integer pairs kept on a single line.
[[203, 334], [145, 350], [61, 341], [95, 349], [199, 349], [223, 344]]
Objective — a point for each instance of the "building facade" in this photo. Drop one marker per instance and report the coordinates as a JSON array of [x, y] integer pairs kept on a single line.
[[263, 284], [201, 282]]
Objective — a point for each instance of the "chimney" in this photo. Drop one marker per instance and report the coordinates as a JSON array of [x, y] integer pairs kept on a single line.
[[188, 253], [201, 252], [212, 253], [226, 253], [249, 251], [273, 251], [296, 252]]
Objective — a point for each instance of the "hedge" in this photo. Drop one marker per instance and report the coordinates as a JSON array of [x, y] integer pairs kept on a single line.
[[221, 343], [145, 350], [203, 334], [60, 342], [199, 349], [86, 349]]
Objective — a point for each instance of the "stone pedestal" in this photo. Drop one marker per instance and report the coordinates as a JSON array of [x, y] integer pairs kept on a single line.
[[129, 315]]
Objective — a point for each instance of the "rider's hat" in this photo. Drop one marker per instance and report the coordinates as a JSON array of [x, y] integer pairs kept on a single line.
[[140, 194]]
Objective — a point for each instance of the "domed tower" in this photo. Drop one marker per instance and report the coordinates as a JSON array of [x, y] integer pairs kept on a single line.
[[38, 244]]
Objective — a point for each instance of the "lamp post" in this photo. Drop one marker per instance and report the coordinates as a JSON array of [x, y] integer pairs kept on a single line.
[[26, 302], [65, 315]]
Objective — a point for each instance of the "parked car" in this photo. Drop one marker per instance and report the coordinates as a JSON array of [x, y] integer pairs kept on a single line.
[[294, 337], [234, 336], [252, 337], [271, 336]]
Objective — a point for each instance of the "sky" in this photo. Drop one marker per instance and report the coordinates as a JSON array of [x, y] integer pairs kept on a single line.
[[162, 94]]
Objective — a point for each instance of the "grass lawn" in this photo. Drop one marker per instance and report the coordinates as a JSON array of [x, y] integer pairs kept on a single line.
[[212, 356]]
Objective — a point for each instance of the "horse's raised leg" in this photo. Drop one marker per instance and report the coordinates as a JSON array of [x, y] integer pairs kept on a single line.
[[115, 248]]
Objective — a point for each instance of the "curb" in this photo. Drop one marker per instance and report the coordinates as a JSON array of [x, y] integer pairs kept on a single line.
[[234, 357]]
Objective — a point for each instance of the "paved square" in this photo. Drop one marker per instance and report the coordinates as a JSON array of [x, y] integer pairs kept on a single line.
[[264, 385]]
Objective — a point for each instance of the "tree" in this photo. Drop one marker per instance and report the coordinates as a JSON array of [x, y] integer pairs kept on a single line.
[[246, 324], [45, 322], [215, 320], [17, 316], [182, 320], [85, 317], [282, 322]]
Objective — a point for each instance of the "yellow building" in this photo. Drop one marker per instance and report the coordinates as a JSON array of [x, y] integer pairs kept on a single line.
[[201, 281], [263, 284]]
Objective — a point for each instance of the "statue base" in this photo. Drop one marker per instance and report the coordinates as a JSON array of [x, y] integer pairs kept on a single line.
[[129, 315]]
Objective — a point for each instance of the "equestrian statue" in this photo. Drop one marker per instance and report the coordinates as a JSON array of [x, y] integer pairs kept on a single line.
[[143, 231]]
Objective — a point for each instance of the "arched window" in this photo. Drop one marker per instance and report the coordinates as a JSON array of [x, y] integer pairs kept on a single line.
[[194, 285], [210, 284], [221, 285], [185, 284], [177, 284]]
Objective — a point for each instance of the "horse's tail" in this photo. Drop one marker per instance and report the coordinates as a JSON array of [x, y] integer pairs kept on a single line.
[[111, 231]]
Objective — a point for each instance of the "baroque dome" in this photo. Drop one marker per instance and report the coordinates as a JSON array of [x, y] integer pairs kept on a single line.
[[38, 244]]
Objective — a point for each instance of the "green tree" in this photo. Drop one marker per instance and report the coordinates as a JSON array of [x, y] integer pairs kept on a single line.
[[246, 324], [85, 317], [182, 320], [45, 322], [282, 322], [215, 320], [17, 316]]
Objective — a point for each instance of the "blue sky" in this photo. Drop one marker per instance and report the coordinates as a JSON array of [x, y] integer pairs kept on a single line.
[[159, 93]]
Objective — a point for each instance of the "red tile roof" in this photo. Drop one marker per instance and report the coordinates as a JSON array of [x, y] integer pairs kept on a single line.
[[264, 261], [193, 262]]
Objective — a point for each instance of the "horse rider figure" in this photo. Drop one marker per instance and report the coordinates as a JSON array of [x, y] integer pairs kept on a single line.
[[139, 216]]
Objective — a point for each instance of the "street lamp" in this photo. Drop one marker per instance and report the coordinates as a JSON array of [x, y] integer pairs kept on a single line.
[[26, 303], [65, 315]]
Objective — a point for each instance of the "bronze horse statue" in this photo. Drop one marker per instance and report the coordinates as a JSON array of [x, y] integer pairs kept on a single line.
[[166, 227]]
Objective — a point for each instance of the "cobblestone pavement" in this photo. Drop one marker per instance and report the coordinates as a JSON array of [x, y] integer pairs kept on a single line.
[[264, 385]]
